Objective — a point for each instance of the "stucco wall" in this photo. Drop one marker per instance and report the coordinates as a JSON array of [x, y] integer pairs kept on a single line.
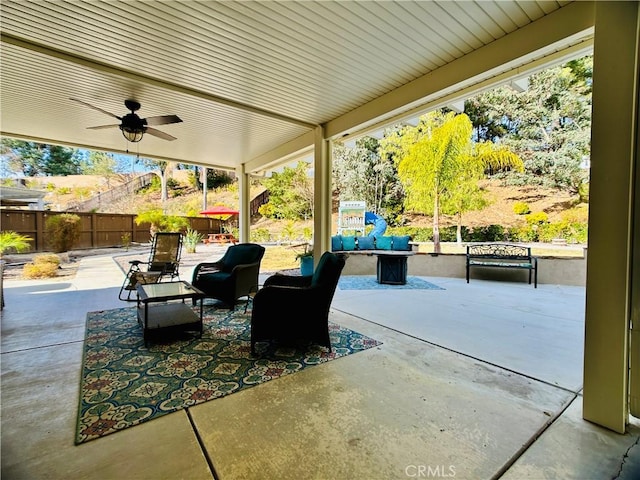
[[551, 270]]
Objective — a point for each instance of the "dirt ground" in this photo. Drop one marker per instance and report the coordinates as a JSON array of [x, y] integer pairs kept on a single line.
[[498, 212], [501, 202]]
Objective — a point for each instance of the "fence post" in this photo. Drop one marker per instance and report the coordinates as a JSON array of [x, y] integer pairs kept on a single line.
[[40, 231], [94, 228]]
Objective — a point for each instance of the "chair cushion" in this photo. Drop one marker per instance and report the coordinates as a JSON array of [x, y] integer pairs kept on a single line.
[[365, 243], [215, 278], [336, 243], [348, 243], [401, 242], [383, 243]]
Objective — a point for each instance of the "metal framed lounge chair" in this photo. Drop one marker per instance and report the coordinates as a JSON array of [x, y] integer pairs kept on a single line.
[[163, 263]]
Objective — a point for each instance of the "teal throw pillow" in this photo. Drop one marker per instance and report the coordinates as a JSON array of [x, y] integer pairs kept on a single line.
[[365, 243], [383, 243], [336, 243], [401, 242], [348, 243]]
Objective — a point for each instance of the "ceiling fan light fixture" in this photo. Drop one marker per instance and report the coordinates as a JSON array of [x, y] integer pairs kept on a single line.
[[132, 126], [132, 135]]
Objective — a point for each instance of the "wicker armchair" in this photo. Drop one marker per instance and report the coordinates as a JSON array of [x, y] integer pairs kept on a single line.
[[295, 308], [234, 276]]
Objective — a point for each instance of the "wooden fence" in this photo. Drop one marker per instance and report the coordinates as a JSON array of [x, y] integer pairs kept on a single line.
[[258, 201], [104, 229], [98, 229]]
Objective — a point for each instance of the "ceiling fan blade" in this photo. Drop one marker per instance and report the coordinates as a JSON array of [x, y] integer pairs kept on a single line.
[[159, 134], [163, 120], [100, 127], [96, 108]]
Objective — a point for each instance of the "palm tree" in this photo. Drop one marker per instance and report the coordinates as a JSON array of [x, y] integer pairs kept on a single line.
[[12, 241], [439, 166]]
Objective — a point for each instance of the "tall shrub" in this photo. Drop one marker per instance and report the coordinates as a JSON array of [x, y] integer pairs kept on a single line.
[[63, 231]]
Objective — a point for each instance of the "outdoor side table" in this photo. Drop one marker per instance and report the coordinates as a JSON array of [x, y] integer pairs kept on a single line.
[[392, 266], [159, 312]]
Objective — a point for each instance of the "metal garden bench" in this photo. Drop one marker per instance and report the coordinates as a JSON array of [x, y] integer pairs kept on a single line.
[[502, 255]]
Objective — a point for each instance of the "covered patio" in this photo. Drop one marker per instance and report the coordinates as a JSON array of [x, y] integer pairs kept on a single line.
[[461, 384], [259, 85]]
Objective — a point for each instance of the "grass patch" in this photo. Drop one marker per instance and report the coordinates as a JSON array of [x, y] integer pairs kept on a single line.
[[279, 258]]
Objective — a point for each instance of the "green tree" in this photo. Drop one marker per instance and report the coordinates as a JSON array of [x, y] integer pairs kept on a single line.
[[215, 178], [163, 170], [548, 125], [99, 163], [31, 159], [439, 166], [362, 173], [290, 194], [430, 162], [464, 196], [61, 161]]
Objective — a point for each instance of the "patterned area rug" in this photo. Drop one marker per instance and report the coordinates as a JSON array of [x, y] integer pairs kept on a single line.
[[366, 282], [125, 383]]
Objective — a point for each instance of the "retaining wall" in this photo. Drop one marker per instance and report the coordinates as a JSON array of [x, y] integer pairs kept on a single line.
[[551, 270]]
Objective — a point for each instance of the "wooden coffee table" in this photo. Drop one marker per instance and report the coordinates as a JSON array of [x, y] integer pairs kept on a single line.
[[159, 312]]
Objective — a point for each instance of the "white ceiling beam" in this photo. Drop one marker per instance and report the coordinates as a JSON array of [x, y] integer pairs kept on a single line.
[[285, 153], [457, 107], [520, 84], [571, 23]]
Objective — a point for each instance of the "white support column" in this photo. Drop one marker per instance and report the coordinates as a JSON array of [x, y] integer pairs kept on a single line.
[[614, 153], [322, 195], [203, 179], [244, 196]]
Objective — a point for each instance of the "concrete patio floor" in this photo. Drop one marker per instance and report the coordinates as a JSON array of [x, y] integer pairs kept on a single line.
[[474, 381]]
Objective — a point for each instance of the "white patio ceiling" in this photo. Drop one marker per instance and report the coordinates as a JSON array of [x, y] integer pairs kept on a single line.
[[251, 79]]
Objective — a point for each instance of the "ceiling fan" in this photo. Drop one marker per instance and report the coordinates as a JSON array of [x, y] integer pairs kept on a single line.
[[132, 126]]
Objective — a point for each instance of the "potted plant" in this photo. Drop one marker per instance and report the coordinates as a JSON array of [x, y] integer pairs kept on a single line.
[[306, 260], [191, 239]]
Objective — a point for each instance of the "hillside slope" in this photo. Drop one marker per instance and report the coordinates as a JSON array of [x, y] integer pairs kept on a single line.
[[186, 200]]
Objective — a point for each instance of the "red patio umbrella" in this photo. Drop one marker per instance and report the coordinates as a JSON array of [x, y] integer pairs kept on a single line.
[[220, 211]]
